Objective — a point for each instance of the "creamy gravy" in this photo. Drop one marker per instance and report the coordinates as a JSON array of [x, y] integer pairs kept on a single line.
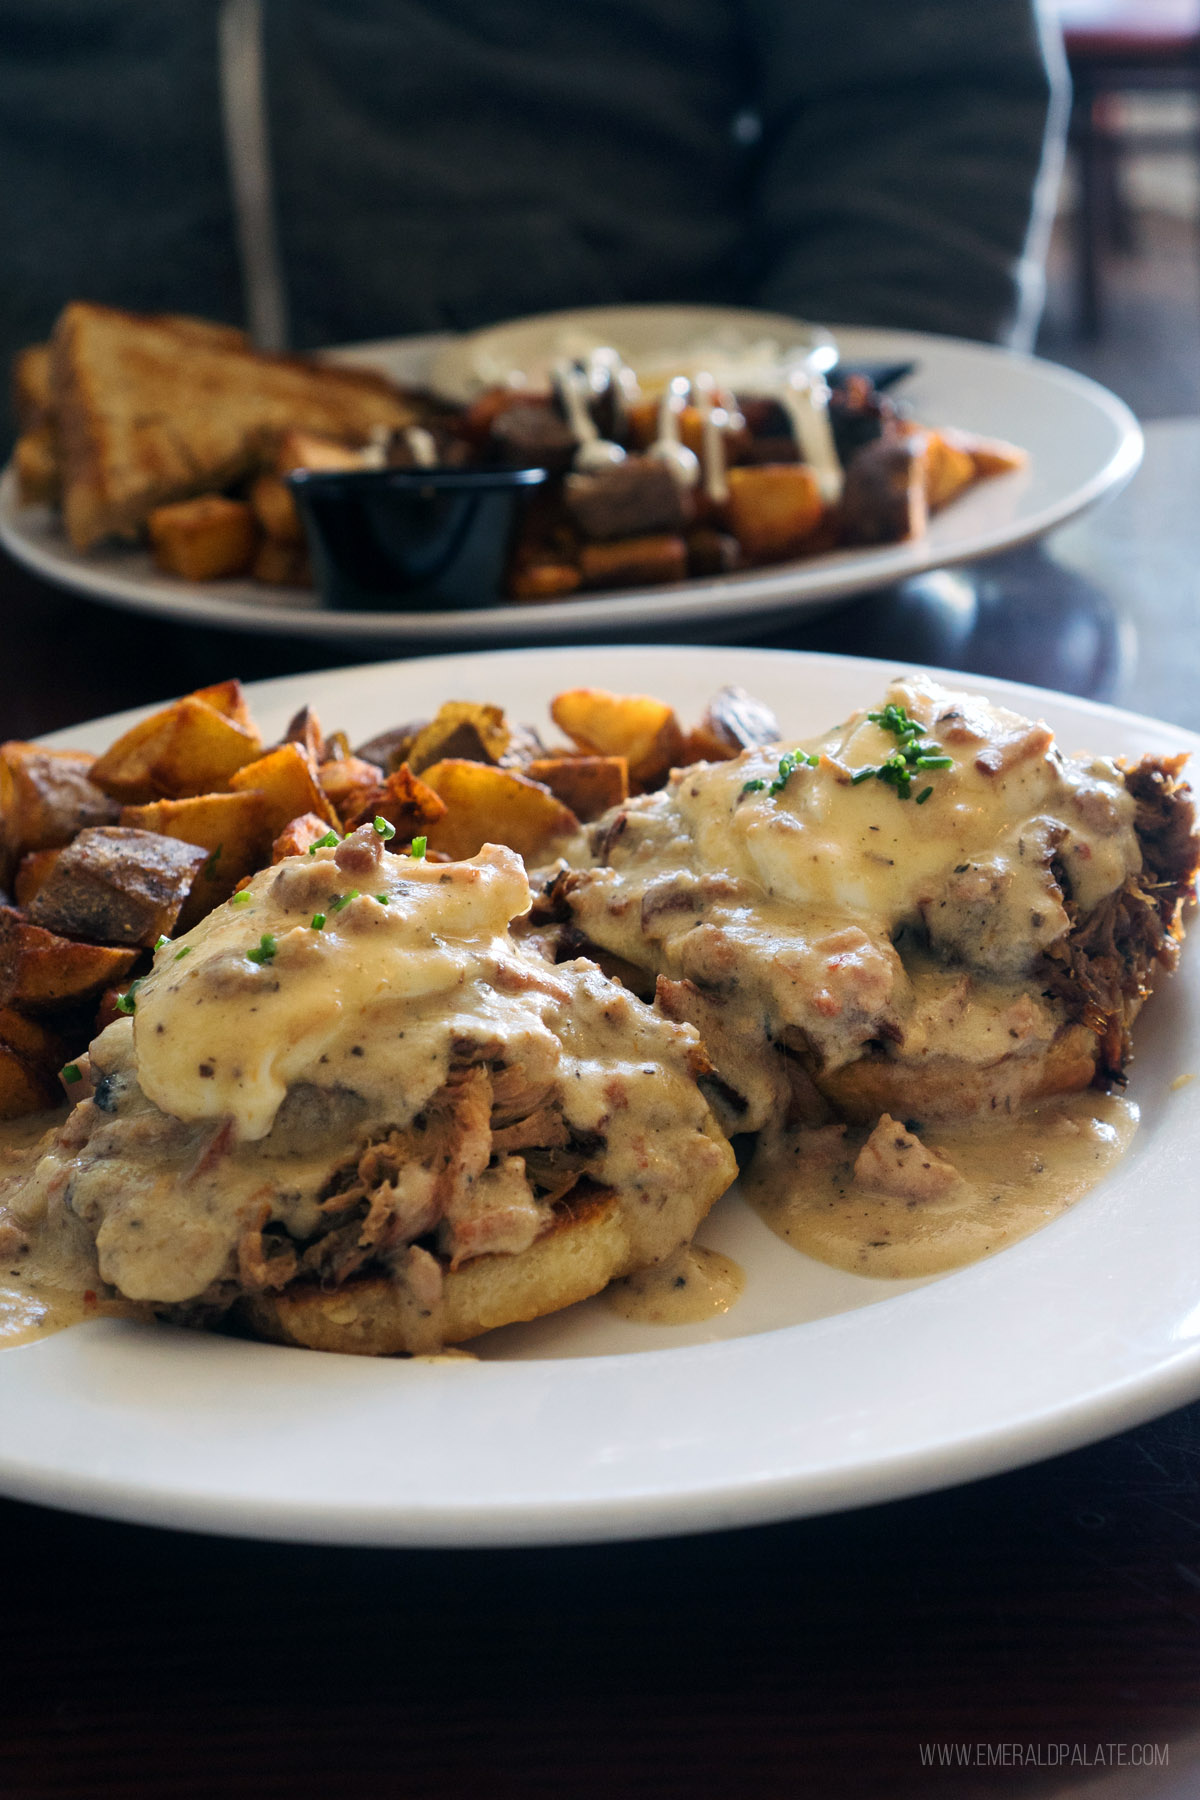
[[693, 1285], [1017, 1175], [44, 1286]]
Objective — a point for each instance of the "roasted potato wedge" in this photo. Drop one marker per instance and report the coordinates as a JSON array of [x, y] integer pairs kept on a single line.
[[589, 785], [735, 721], [461, 730], [485, 805], [188, 748], [288, 784], [298, 836], [343, 778], [275, 509], [304, 728], [544, 580], [234, 830], [203, 539], [118, 886], [41, 972], [883, 501], [35, 459], [774, 509], [229, 699], [638, 727], [281, 565], [403, 800], [629, 561], [31, 1055], [949, 470], [46, 796], [32, 872]]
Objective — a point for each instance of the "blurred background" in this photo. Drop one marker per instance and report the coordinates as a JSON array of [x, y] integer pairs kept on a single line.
[[1123, 299]]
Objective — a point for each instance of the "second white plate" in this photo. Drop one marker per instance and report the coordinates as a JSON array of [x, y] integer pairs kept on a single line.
[[1082, 441], [818, 1390]]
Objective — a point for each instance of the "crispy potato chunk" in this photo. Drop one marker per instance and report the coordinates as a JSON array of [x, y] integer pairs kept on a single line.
[[626, 562], [35, 458], [461, 729], [774, 509], [735, 721], [298, 836], [543, 580], [286, 780], [404, 801], [589, 785], [991, 456], [32, 871], [42, 972], [485, 805], [31, 1055], [638, 727], [391, 748], [883, 501], [949, 470], [114, 885], [304, 728], [203, 539], [46, 796], [233, 828], [229, 699], [275, 509], [346, 778], [32, 387], [189, 747], [281, 565]]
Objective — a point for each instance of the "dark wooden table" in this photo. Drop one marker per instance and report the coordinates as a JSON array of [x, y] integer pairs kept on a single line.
[[1040, 1631]]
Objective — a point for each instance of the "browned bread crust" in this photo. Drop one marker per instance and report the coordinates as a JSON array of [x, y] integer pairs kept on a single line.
[[589, 1244], [151, 409]]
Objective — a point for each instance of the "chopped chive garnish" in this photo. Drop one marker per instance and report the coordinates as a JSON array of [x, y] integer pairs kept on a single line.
[[318, 922], [337, 901], [180, 954], [417, 848], [127, 1002], [324, 843], [386, 831], [72, 1073], [264, 950], [161, 944], [243, 897], [910, 754], [384, 899], [754, 787]]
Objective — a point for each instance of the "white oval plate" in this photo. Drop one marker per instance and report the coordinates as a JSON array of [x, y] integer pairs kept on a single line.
[[818, 1390], [1082, 441]]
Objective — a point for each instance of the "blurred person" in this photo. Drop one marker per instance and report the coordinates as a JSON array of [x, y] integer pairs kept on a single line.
[[330, 170]]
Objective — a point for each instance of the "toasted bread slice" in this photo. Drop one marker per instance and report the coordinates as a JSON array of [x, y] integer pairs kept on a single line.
[[149, 413], [31, 396]]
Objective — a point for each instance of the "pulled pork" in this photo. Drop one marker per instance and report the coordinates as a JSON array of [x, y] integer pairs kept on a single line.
[[1101, 970]]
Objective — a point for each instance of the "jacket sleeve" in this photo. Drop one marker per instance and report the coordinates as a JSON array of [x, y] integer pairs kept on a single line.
[[908, 158]]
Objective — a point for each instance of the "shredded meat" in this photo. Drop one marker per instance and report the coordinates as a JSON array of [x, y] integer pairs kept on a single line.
[[1101, 970], [452, 1172], [894, 1161]]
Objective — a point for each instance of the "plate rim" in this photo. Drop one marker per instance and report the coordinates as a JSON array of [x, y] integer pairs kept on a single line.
[[1075, 1419], [791, 589]]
